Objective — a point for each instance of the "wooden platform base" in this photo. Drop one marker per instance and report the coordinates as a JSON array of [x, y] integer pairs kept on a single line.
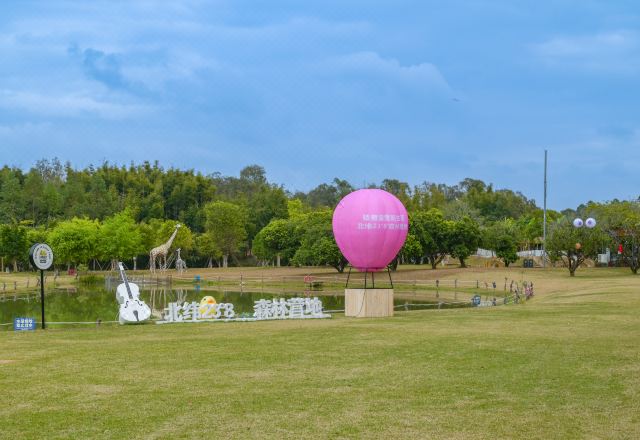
[[368, 303]]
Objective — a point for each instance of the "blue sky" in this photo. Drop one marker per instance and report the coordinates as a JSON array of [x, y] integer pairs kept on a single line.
[[361, 90]]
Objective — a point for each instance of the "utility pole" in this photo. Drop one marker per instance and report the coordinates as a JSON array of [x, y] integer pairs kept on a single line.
[[544, 215]]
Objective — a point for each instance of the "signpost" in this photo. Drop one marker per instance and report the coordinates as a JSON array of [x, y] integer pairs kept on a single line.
[[41, 257]]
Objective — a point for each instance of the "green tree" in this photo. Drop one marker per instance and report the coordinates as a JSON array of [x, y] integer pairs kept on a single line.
[[74, 241], [226, 227], [571, 245], [503, 237], [464, 239], [120, 238], [328, 195], [11, 196], [295, 209], [36, 235], [206, 247], [621, 220], [458, 209], [506, 249], [264, 204], [411, 251], [13, 243], [433, 232], [279, 240], [401, 190], [317, 244]]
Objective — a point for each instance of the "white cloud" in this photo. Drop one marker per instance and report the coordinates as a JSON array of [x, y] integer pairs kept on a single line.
[[177, 65], [22, 129], [607, 51], [66, 105], [370, 63]]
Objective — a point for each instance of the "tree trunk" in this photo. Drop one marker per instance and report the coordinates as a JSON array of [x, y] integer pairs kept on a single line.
[[633, 262], [278, 260], [506, 263], [574, 263], [15, 265], [462, 263], [225, 260]]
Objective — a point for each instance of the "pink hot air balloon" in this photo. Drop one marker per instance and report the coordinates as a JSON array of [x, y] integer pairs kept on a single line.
[[370, 227]]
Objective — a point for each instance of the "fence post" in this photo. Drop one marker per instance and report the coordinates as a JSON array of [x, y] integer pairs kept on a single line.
[[437, 288]]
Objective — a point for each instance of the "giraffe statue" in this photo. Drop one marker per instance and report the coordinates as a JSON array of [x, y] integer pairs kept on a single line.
[[181, 266], [161, 251]]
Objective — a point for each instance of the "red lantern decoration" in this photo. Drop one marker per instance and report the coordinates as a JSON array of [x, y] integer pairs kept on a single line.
[[619, 249]]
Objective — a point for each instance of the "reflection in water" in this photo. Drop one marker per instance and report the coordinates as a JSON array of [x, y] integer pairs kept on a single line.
[[158, 297], [93, 303]]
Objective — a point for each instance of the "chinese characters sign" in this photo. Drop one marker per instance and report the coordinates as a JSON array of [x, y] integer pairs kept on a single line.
[[383, 221], [22, 324], [292, 308], [41, 256], [193, 312]]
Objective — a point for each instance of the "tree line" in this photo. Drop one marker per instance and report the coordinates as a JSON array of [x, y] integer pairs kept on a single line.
[[96, 215]]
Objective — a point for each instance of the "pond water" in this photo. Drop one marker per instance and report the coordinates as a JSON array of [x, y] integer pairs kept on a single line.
[[87, 304]]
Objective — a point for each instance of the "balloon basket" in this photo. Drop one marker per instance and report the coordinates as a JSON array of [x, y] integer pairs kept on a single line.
[[368, 303]]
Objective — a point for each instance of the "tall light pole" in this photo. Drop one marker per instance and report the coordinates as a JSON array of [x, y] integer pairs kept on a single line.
[[544, 215]]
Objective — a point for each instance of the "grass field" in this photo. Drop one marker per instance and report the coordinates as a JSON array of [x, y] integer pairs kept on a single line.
[[564, 365]]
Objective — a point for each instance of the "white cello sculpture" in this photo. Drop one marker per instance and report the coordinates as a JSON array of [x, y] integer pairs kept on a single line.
[[132, 308]]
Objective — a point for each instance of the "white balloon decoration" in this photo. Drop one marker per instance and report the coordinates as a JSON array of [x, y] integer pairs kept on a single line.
[[590, 222], [578, 223]]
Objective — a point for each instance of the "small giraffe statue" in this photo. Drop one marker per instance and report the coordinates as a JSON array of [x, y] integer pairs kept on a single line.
[[161, 251], [181, 266]]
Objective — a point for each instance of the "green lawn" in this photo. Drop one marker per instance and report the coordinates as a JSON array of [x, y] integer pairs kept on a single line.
[[565, 365]]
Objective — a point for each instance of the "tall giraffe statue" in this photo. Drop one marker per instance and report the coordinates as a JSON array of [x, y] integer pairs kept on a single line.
[[161, 251], [181, 266]]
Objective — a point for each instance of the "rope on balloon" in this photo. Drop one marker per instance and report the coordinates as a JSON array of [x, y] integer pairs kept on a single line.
[[364, 294]]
